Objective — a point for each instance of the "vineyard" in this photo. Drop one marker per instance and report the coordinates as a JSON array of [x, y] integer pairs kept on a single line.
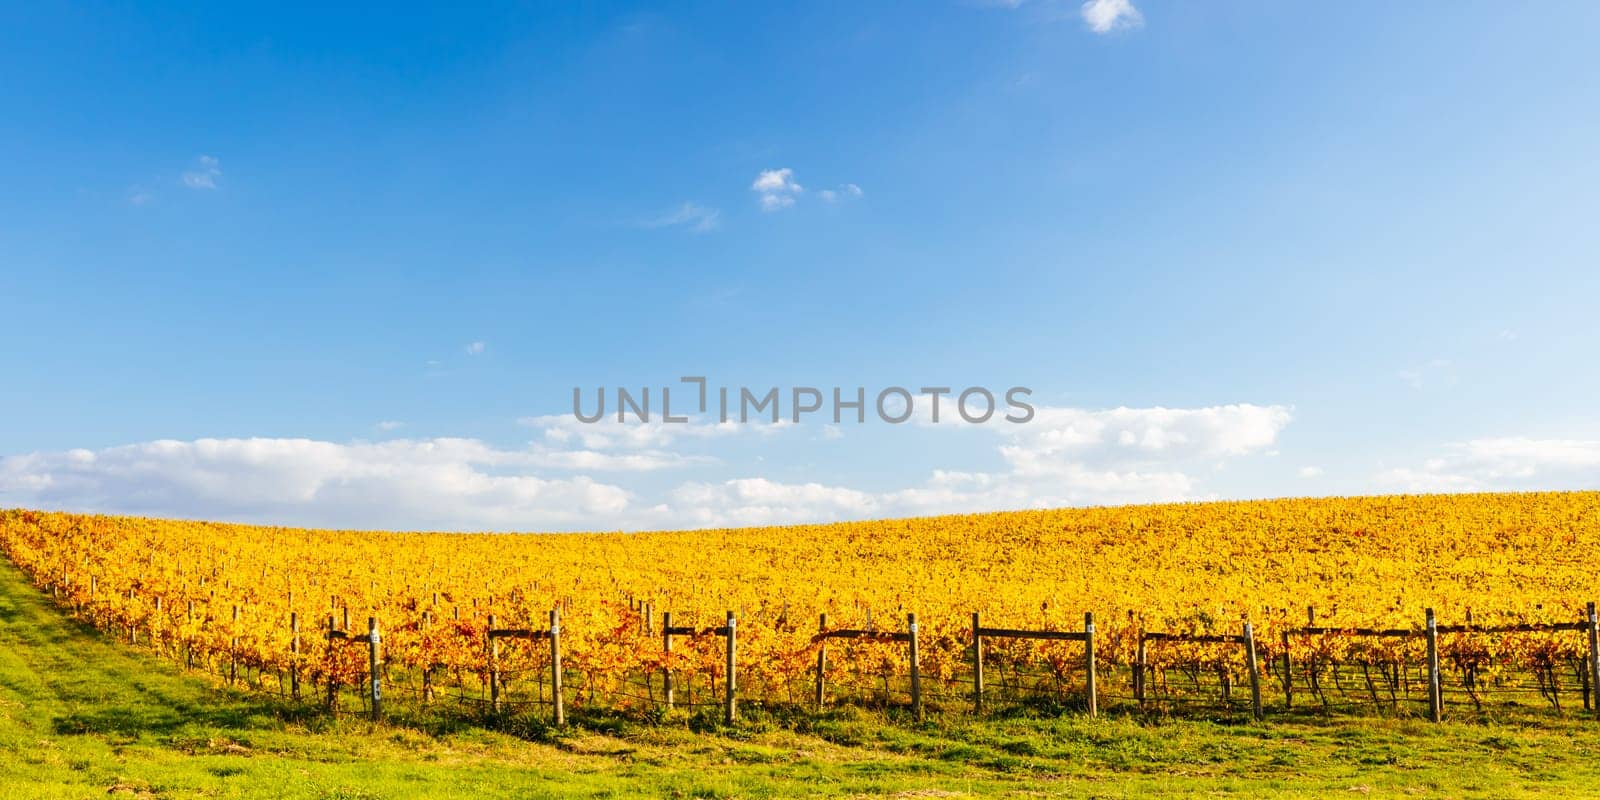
[[1315, 606]]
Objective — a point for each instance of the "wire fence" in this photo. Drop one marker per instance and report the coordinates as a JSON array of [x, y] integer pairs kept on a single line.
[[1429, 671]]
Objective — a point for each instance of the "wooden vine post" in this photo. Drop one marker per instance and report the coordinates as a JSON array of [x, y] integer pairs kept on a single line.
[[666, 650], [1594, 660], [559, 712], [822, 658], [493, 647], [916, 669], [188, 637], [1255, 673], [1141, 670], [1436, 701], [1088, 660], [294, 655], [374, 657], [333, 681], [427, 669], [730, 710], [1288, 682], [977, 664]]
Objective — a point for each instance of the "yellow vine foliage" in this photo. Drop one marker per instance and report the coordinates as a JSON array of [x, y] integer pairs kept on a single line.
[[1188, 568]]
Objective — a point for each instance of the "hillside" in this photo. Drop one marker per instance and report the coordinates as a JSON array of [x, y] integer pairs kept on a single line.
[[229, 598], [84, 718]]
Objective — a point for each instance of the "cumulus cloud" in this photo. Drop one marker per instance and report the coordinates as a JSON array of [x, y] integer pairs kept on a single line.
[[688, 216], [402, 484], [205, 173], [776, 188], [583, 460], [758, 501], [1062, 435], [1506, 463], [1066, 456], [1106, 16]]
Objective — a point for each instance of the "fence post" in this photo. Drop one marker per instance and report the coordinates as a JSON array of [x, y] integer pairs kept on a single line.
[[1250, 664], [731, 708], [1140, 670], [188, 637], [822, 658], [333, 681], [1288, 682], [916, 669], [1436, 703], [560, 710], [233, 649], [492, 645], [977, 665], [1088, 658], [666, 648], [374, 676], [427, 669], [294, 655], [1594, 661]]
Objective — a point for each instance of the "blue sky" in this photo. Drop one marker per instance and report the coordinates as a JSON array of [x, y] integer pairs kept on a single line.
[[344, 267]]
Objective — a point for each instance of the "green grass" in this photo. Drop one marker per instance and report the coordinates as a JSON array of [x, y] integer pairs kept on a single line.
[[84, 717]]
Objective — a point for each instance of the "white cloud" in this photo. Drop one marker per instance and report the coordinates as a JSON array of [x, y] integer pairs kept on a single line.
[[390, 425], [1505, 463], [1105, 16], [401, 484], [1066, 456], [1058, 434], [777, 188], [1311, 472], [476, 348], [758, 501], [646, 460], [607, 433], [204, 175], [776, 180], [845, 190], [1414, 481], [698, 219]]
